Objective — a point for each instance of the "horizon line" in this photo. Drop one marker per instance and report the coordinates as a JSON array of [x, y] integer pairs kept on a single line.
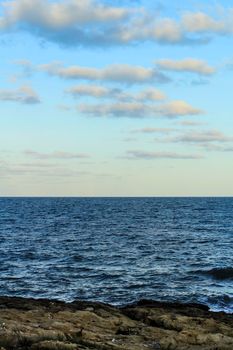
[[118, 196]]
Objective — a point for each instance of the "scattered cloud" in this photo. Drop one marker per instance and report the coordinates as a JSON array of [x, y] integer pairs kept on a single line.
[[211, 147], [72, 22], [123, 109], [160, 155], [178, 108], [138, 109], [203, 137], [38, 170], [91, 90], [24, 94], [26, 66], [153, 28], [98, 91], [212, 140], [172, 109], [189, 123], [68, 22], [56, 155], [117, 73], [150, 130], [186, 65], [38, 165], [200, 22], [151, 94], [59, 14]]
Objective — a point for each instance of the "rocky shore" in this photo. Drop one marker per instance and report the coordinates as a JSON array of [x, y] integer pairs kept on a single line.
[[55, 325]]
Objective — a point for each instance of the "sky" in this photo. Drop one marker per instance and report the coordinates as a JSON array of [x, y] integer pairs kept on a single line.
[[116, 98]]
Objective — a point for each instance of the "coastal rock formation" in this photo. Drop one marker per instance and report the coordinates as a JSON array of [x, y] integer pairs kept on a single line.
[[55, 325]]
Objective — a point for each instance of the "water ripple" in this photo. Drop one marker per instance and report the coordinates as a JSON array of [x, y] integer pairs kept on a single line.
[[118, 250]]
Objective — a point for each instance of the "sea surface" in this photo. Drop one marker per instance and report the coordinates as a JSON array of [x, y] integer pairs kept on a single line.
[[118, 250]]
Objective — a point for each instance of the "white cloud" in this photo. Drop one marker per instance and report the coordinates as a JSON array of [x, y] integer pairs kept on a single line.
[[26, 66], [89, 22], [122, 109], [24, 94], [59, 14], [198, 22], [167, 30], [56, 155], [90, 90], [152, 28], [160, 155], [190, 123], [38, 170], [150, 130], [178, 108], [95, 23], [186, 65], [151, 94], [211, 147], [172, 109], [68, 22], [99, 91], [118, 73], [203, 137]]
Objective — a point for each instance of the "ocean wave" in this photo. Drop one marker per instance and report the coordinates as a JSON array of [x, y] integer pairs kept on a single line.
[[220, 303], [218, 272]]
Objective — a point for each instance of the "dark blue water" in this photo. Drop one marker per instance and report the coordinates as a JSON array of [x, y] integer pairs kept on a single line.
[[118, 250]]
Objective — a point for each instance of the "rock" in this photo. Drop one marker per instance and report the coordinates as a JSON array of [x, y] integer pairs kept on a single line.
[[53, 345], [27, 324]]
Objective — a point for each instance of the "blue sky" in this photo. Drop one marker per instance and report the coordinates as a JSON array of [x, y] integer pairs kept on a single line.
[[123, 98]]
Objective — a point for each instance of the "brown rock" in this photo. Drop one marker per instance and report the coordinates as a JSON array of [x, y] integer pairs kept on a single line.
[[27, 324]]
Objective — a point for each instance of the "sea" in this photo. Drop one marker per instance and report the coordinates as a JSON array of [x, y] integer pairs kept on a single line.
[[118, 250]]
